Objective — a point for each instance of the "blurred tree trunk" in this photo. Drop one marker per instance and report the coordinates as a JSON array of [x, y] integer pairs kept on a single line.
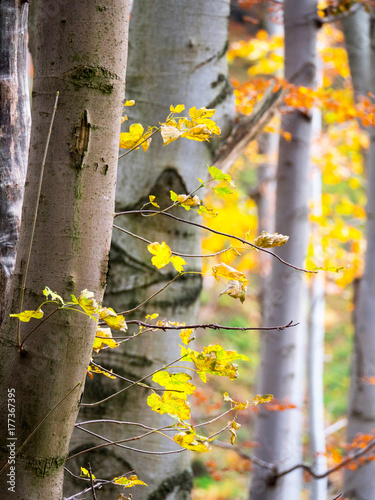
[[14, 135], [279, 434], [70, 249], [360, 483], [177, 55], [316, 333]]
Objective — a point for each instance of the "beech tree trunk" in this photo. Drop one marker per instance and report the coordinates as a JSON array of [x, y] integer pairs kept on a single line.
[[176, 56], [81, 53], [14, 132], [360, 484], [279, 434]]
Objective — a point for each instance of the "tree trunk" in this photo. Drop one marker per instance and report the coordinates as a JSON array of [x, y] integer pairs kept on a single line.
[[72, 232], [14, 133], [176, 56], [316, 332], [279, 434], [360, 484]]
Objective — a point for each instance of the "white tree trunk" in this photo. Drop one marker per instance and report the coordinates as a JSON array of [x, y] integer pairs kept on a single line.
[[283, 353], [177, 55], [360, 484], [315, 357]]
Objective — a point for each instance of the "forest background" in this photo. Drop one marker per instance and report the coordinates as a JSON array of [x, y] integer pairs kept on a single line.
[[341, 117]]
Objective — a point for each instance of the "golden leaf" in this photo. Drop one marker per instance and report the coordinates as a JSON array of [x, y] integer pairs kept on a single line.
[[104, 338], [129, 482], [192, 441], [267, 240], [224, 271], [235, 289], [26, 316], [178, 382], [114, 320], [186, 336], [169, 403]]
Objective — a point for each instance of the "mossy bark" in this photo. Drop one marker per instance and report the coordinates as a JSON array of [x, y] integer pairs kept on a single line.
[[72, 233], [176, 56]]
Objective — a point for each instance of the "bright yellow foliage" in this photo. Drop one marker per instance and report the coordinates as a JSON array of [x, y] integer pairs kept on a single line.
[[177, 382], [163, 256], [26, 316], [192, 441], [171, 404], [129, 482]]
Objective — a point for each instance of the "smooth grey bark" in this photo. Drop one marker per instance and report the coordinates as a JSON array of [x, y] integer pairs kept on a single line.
[[316, 333], [360, 484], [70, 246], [356, 28], [279, 434], [177, 55], [14, 133]]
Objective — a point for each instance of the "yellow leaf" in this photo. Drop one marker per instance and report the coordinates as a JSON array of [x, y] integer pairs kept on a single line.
[[129, 140], [178, 262], [152, 198], [215, 360], [162, 254], [234, 426], [114, 320], [224, 271], [267, 240], [258, 399], [54, 296], [178, 382], [177, 109], [169, 133], [129, 103], [171, 404], [87, 302], [235, 289], [94, 369], [186, 336], [192, 441], [195, 113], [26, 316], [104, 338], [85, 473], [237, 405], [152, 316], [129, 482]]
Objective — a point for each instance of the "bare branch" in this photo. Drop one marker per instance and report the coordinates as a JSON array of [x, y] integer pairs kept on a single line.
[[212, 326], [245, 242]]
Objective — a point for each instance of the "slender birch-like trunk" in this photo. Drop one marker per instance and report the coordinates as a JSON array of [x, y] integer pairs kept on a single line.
[[316, 333], [279, 434], [177, 55], [81, 53], [360, 484], [14, 133]]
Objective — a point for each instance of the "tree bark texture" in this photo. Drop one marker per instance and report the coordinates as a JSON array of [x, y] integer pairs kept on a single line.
[[176, 56], [81, 52], [279, 434], [360, 484], [14, 133]]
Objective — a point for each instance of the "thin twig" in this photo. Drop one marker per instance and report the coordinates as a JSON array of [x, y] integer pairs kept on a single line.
[[35, 216], [118, 443], [245, 242], [306, 467], [338, 496], [212, 326], [92, 483], [133, 383], [151, 296], [38, 325], [5, 466], [173, 253]]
